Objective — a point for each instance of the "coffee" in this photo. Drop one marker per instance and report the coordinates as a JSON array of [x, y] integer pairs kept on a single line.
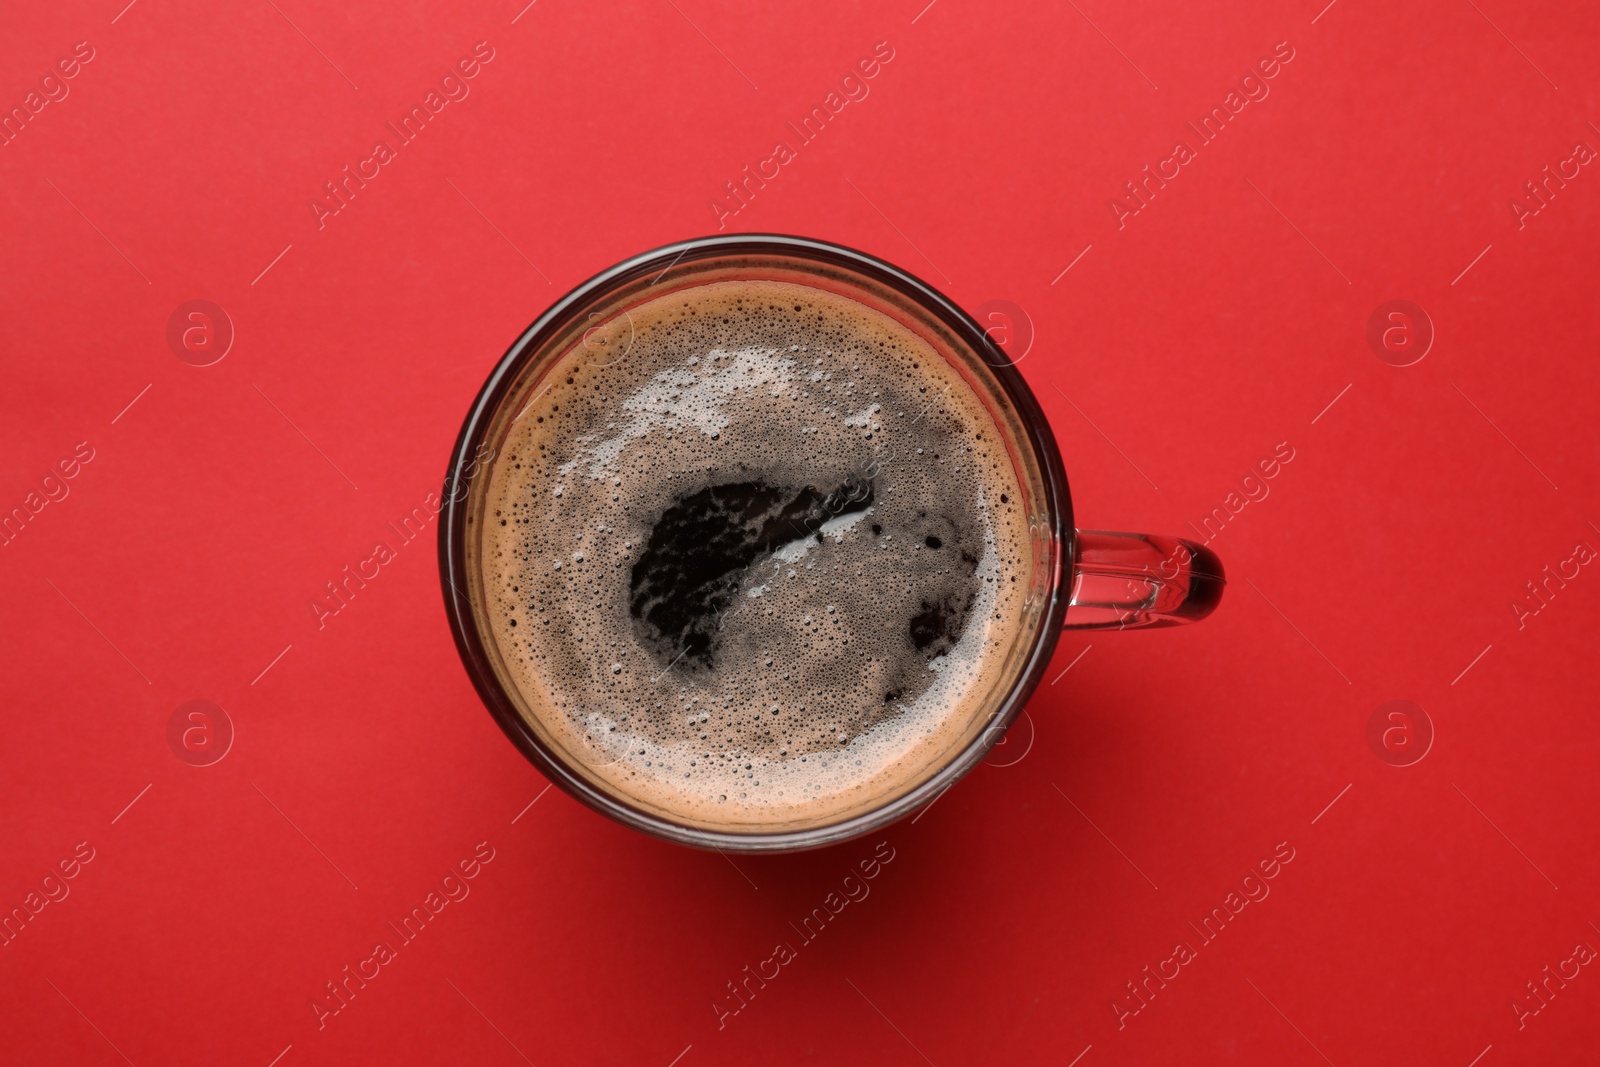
[[753, 555]]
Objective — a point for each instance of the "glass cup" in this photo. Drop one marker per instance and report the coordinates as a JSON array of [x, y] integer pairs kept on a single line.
[[1081, 579]]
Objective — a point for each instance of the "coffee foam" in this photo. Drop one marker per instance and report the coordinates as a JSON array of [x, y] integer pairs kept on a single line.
[[829, 669]]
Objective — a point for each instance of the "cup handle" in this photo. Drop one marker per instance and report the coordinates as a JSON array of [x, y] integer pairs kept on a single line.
[[1124, 580]]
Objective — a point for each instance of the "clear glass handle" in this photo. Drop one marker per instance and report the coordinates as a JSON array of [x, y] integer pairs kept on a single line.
[[1124, 580]]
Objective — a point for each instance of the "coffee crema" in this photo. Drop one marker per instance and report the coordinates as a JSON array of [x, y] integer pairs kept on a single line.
[[753, 555]]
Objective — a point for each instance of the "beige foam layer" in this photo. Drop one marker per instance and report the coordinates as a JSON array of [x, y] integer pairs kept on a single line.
[[731, 382]]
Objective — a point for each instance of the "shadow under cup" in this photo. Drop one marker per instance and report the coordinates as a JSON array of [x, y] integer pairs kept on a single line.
[[581, 318]]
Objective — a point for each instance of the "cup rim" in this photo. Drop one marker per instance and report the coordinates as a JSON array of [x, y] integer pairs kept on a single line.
[[453, 557]]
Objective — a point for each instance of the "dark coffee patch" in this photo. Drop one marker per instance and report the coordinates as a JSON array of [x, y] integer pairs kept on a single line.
[[937, 627], [702, 544]]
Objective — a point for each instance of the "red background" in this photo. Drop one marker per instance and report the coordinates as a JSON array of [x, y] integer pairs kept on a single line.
[[1222, 319]]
